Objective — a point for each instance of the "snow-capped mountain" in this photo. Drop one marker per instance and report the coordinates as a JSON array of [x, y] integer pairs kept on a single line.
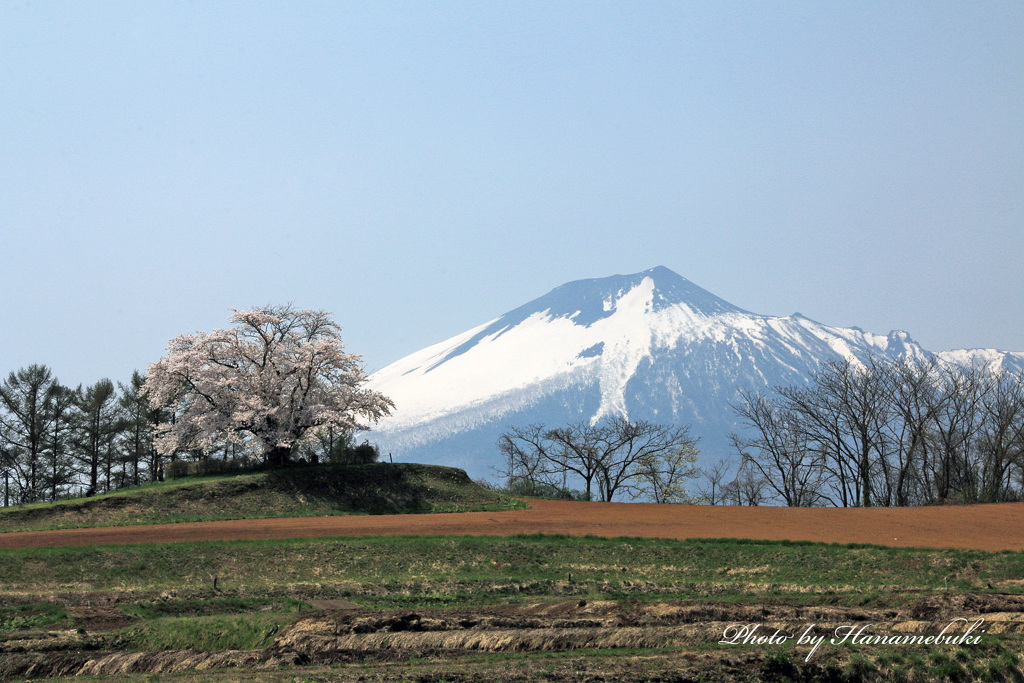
[[652, 345]]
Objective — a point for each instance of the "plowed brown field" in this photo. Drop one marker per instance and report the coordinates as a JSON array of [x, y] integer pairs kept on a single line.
[[980, 527]]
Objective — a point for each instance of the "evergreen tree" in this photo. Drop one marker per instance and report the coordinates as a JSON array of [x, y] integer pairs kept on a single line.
[[60, 406], [138, 420], [23, 413], [97, 425]]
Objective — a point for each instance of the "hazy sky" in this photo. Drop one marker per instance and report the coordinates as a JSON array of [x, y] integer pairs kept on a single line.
[[421, 168]]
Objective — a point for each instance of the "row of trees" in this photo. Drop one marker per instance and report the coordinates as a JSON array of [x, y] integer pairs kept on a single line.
[[640, 459], [885, 433], [274, 388], [55, 440]]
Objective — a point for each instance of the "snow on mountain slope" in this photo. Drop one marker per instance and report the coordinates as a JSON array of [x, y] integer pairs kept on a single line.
[[652, 345], [997, 360]]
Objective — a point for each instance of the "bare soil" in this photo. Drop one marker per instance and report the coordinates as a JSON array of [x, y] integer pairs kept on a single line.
[[979, 527]]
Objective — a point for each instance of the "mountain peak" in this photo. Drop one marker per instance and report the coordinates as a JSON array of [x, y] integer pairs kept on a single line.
[[671, 288], [650, 345], [585, 302]]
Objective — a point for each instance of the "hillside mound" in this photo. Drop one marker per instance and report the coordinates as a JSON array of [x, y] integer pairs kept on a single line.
[[301, 491]]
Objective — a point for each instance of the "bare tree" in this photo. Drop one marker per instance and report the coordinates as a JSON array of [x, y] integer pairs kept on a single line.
[[662, 476], [779, 450], [748, 488], [954, 428], [1001, 439], [889, 432], [711, 492], [579, 449], [841, 415], [628, 450], [531, 463], [642, 458], [910, 387]]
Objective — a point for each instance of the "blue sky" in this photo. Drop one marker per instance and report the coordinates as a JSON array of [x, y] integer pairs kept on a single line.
[[420, 168]]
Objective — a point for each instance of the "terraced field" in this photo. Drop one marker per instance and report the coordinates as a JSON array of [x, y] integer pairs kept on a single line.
[[563, 591]]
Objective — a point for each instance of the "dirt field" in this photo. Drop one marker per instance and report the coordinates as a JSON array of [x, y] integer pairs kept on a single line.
[[979, 527]]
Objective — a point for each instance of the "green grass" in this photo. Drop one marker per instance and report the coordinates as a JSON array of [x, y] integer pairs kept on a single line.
[[394, 568], [379, 488], [220, 632], [30, 616], [132, 490]]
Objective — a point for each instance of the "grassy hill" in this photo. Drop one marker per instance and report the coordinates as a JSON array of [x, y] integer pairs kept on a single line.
[[379, 488]]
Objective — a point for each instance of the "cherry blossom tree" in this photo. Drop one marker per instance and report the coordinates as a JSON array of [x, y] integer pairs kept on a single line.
[[276, 376]]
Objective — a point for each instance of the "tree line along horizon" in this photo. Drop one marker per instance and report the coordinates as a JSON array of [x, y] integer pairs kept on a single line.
[[884, 432], [278, 388]]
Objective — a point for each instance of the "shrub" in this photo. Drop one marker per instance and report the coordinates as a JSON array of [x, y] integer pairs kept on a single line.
[[207, 466], [364, 454], [535, 489]]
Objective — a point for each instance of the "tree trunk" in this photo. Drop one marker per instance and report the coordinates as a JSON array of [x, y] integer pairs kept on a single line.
[[279, 456]]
